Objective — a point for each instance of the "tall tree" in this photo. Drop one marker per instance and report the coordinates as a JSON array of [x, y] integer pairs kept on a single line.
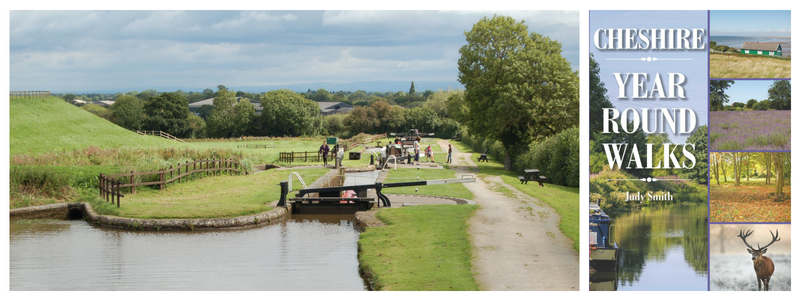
[[230, 117], [287, 113], [718, 96], [778, 160], [780, 93], [129, 112], [168, 112], [699, 173], [412, 90], [597, 97], [715, 162], [518, 86]]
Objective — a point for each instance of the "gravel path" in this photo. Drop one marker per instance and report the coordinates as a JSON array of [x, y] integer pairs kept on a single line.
[[517, 244]]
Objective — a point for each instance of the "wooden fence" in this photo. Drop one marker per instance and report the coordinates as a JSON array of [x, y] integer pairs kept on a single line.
[[255, 146], [160, 133], [290, 157], [29, 94], [110, 185]]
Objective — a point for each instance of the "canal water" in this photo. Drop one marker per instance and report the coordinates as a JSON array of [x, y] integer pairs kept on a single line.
[[304, 253], [663, 249]]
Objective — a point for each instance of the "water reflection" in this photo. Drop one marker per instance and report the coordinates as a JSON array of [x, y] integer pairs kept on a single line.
[[304, 253], [663, 248]]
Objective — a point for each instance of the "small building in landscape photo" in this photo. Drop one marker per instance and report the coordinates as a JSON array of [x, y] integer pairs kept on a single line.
[[768, 49]]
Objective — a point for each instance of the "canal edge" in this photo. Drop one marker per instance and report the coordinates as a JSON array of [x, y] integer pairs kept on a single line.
[[63, 211]]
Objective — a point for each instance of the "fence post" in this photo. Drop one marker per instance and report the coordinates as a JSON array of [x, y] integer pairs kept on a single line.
[[180, 179], [100, 183], [161, 186], [119, 193], [170, 172], [187, 169], [133, 190]]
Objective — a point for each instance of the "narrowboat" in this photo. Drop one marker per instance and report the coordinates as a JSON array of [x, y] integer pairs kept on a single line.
[[603, 250]]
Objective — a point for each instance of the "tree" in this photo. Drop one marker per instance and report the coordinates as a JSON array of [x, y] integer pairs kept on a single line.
[[715, 162], [762, 105], [230, 117], [205, 111], [751, 103], [287, 113], [780, 93], [128, 112], [718, 97], [412, 90], [69, 98], [518, 86], [597, 97], [168, 112], [208, 94], [438, 101], [778, 159]]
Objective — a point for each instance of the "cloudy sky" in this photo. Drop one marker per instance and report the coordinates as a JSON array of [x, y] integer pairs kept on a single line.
[[192, 50], [751, 23]]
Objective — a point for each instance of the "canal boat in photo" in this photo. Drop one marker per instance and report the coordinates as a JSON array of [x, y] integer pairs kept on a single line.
[[603, 250]]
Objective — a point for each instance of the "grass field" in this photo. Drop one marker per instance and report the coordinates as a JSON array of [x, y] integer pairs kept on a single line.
[[405, 174], [212, 197], [751, 130], [43, 125], [749, 66], [422, 248]]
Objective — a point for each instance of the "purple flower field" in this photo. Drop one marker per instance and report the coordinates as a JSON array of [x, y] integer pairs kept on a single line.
[[751, 130]]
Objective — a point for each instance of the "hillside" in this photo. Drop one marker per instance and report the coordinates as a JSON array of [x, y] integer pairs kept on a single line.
[[749, 66], [43, 125]]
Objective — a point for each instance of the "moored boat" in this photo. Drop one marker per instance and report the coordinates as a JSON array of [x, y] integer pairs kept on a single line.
[[603, 251]]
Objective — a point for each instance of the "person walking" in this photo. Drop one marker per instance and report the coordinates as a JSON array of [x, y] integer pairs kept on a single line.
[[324, 150], [449, 153]]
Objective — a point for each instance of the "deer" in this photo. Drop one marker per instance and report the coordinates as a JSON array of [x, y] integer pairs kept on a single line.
[[762, 264]]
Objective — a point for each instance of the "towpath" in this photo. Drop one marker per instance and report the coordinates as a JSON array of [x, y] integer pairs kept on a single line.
[[516, 241]]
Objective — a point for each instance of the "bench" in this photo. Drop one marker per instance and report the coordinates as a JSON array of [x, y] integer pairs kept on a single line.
[[532, 175], [483, 157]]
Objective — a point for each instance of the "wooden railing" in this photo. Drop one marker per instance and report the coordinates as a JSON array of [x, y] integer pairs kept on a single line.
[[255, 146], [160, 133], [29, 94], [290, 157], [110, 185]]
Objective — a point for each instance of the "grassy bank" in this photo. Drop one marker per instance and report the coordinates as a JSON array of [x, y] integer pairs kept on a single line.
[[44, 125], [411, 174], [749, 66], [212, 197], [422, 248], [563, 199]]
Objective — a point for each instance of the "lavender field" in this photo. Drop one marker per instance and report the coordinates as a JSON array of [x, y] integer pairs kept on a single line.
[[750, 130]]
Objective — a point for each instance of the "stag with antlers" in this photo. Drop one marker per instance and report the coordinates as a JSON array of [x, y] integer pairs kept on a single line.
[[762, 264]]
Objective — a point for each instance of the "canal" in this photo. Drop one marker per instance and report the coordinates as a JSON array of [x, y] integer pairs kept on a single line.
[[304, 253], [662, 249]]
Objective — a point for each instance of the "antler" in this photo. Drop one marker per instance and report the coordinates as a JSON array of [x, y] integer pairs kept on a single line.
[[744, 237], [775, 238]]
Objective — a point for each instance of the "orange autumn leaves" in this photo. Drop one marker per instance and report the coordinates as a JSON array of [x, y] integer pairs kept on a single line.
[[749, 203]]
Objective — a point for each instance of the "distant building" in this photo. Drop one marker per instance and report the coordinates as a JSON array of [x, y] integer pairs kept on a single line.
[[194, 106], [105, 103], [768, 49], [331, 108]]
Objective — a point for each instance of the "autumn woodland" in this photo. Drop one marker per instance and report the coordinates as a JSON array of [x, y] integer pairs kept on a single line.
[[750, 187]]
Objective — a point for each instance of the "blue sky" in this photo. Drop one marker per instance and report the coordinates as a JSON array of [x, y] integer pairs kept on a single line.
[[695, 69], [776, 23], [744, 90], [101, 50]]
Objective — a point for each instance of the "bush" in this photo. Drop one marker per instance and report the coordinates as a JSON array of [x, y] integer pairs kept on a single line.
[[557, 156]]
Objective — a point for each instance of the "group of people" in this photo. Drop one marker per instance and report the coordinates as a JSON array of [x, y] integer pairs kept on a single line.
[[325, 150]]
